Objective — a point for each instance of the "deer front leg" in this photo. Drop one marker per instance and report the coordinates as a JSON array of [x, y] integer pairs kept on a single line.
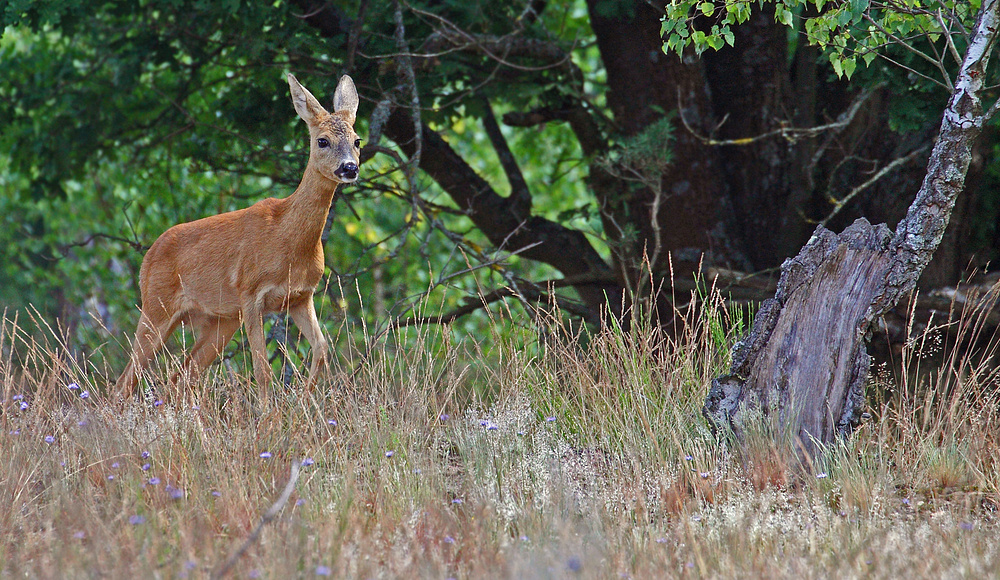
[[304, 315], [253, 320]]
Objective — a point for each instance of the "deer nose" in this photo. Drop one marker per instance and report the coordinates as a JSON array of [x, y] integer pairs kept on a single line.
[[347, 171]]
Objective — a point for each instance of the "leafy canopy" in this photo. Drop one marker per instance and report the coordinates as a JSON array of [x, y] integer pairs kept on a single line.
[[847, 30]]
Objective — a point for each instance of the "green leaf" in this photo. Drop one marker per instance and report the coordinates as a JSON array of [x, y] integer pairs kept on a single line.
[[707, 8]]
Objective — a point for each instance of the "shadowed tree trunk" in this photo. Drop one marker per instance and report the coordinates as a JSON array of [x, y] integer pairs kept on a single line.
[[804, 362]]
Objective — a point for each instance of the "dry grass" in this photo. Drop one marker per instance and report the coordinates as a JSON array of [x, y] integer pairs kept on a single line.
[[439, 458]]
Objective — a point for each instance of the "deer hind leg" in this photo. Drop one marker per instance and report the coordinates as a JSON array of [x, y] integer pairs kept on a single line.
[[150, 334], [212, 334], [304, 315]]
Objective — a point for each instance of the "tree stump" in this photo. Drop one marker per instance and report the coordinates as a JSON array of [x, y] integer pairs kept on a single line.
[[805, 356]]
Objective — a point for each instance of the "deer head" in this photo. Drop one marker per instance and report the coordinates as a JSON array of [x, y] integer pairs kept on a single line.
[[333, 145]]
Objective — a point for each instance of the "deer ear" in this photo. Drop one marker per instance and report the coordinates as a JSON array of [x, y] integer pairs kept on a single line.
[[305, 104], [345, 98]]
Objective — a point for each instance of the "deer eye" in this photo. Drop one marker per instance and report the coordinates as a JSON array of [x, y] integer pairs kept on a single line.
[[357, 143], [323, 142]]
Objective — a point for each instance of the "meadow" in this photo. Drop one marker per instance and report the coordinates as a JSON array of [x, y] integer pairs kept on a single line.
[[527, 454]]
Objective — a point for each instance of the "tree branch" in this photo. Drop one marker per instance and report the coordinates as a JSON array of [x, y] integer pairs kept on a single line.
[[520, 194]]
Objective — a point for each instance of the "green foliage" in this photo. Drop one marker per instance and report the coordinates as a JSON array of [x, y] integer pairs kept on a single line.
[[849, 31]]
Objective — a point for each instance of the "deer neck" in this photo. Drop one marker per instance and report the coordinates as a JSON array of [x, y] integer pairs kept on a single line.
[[308, 207]]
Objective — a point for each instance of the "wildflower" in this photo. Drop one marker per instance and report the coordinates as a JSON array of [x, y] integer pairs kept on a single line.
[[157, 403], [483, 423], [307, 462], [136, 520], [688, 458], [81, 423], [50, 439], [17, 398], [114, 465], [24, 406], [416, 470], [216, 493], [79, 535], [255, 573], [491, 428], [444, 417], [154, 481], [550, 419], [524, 538], [85, 395], [967, 526], [265, 455], [331, 422], [300, 502], [574, 564], [390, 453], [323, 571], [457, 500], [704, 475], [696, 518], [72, 386], [821, 475], [520, 433], [15, 432], [144, 455], [177, 493], [195, 407], [906, 501], [661, 540], [146, 466], [111, 478], [449, 540]]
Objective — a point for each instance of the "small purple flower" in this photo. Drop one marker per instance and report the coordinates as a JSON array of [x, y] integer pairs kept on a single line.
[[81, 423], [821, 475], [967, 526], [483, 423], [308, 461], [79, 535], [331, 422], [136, 520], [50, 439], [115, 465], [906, 501], [15, 432], [444, 417], [195, 407], [216, 493], [146, 466], [390, 453], [457, 500], [417, 471], [449, 540], [300, 502], [704, 475], [144, 455], [688, 458], [520, 433], [661, 540], [17, 398], [323, 571], [157, 403], [154, 481], [265, 455], [177, 493], [72, 386], [491, 428], [24, 406], [111, 478], [85, 395], [254, 573], [550, 419], [574, 564], [524, 538]]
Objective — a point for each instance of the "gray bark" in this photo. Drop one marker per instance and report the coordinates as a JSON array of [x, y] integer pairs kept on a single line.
[[804, 362]]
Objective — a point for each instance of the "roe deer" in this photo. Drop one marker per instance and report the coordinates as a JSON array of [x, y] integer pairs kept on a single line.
[[219, 272]]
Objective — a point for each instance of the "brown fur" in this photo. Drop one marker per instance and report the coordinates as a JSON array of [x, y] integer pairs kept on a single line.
[[219, 272]]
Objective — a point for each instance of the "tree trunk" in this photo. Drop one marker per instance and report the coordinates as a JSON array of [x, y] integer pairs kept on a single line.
[[804, 362]]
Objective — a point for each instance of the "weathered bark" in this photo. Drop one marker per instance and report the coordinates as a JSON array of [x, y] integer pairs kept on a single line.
[[804, 361]]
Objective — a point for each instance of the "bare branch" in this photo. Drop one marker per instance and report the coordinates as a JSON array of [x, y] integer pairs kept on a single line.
[[838, 204], [520, 194]]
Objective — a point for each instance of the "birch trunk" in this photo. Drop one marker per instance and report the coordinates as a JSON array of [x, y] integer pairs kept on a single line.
[[804, 361]]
